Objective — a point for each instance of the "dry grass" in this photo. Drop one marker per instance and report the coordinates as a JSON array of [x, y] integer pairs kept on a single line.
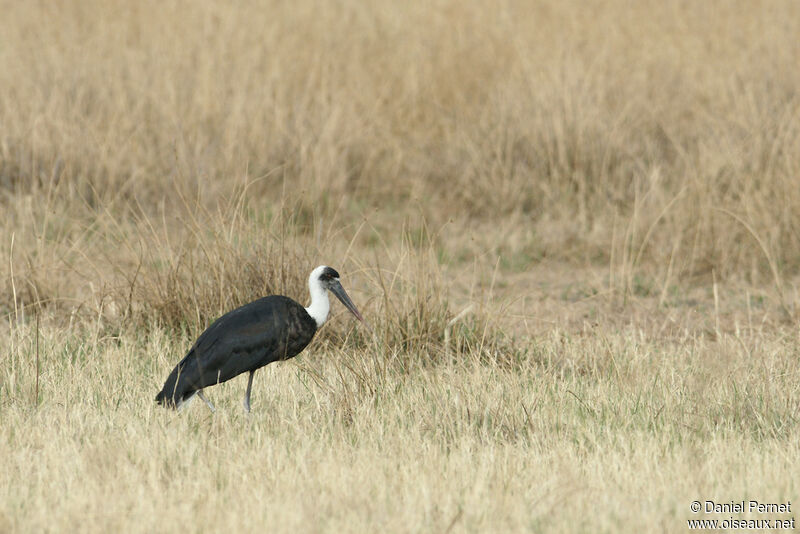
[[610, 189], [603, 431]]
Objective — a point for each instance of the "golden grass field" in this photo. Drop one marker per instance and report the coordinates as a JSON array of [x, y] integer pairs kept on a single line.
[[574, 227]]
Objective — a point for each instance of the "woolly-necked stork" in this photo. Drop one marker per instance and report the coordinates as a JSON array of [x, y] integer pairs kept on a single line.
[[243, 340]]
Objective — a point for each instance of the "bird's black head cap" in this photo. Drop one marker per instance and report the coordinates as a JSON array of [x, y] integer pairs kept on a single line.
[[328, 274]]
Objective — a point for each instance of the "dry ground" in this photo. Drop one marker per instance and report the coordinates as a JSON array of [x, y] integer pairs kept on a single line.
[[610, 191]]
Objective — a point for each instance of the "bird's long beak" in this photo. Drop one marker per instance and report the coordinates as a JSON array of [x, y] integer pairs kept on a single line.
[[341, 294]]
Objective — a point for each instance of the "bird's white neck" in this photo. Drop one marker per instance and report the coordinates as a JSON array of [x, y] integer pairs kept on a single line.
[[320, 305]]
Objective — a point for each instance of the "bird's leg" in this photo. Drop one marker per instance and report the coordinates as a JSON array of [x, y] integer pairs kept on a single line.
[[208, 402], [247, 393]]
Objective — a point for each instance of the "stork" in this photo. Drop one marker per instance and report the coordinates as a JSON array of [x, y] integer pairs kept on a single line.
[[244, 340]]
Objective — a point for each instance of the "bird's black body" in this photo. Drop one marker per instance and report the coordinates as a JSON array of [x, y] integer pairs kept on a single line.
[[243, 340]]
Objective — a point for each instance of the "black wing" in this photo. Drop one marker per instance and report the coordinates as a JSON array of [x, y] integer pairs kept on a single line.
[[269, 329]]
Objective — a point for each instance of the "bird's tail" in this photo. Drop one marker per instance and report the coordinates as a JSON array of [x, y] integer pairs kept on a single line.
[[175, 390]]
